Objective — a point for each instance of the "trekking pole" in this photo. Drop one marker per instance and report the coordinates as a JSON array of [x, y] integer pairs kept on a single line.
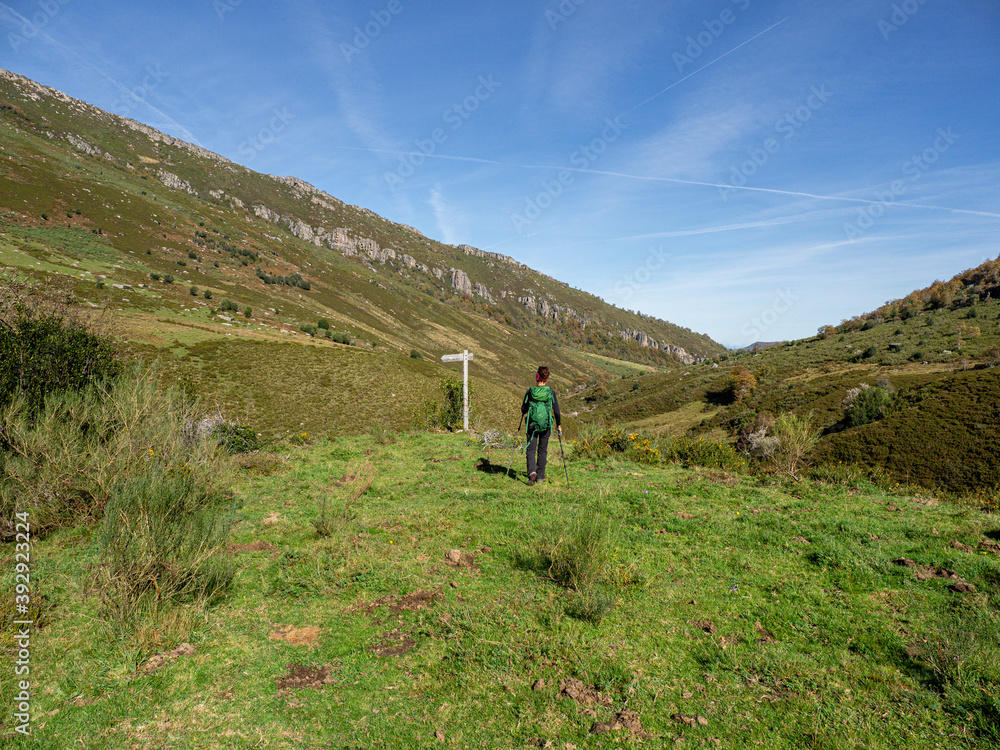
[[514, 447], [563, 457]]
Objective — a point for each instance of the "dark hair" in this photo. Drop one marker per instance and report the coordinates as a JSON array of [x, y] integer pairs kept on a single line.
[[543, 373]]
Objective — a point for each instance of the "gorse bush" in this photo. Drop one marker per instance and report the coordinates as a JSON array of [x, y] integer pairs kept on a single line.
[[163, 529], [796, 437]]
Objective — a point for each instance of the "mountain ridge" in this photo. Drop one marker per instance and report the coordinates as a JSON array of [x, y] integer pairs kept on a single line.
[[314, 216]]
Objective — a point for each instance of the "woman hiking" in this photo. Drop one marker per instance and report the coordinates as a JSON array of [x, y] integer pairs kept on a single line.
[[540, 405]]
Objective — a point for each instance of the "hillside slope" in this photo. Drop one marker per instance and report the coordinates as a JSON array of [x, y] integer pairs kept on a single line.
[[937, 349], [113, 203]]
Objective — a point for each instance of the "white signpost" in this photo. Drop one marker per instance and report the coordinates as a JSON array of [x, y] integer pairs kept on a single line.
[[464, 358]]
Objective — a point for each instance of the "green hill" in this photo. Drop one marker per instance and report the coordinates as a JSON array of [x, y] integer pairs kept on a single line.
[[452, 606], [936, 350], [166, 232]]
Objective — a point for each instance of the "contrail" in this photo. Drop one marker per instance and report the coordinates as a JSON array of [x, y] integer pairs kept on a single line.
[[695, 72], [675, 180]]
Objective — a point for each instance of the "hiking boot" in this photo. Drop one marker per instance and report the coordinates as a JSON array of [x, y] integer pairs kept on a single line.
[[532, 478]]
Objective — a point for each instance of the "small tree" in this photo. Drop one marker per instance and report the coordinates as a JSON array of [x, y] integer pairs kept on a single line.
[[741, 383]]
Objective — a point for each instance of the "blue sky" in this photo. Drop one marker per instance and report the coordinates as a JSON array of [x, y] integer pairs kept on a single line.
[[750, 169]]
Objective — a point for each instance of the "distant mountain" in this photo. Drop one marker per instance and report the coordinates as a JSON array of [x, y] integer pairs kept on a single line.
[[101, 198]]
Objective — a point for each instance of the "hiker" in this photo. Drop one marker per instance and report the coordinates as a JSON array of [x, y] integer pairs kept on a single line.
[[541, 406]]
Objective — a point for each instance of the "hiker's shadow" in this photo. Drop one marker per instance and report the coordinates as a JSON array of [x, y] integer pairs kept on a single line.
[[487, 467]]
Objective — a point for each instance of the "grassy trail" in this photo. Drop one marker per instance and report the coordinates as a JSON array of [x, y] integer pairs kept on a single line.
[[453, 606]]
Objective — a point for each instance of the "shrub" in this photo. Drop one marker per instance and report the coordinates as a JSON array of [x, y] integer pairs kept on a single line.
[[168, 279], [208, 294], [341, 338], [193, 291], [866, 404], [161, 537], [47, 345], [870, 352], [154, 276], [309, 328], [85, 448], [227, 305], [324, 324], [236, 438], [451, 412], [414, 354], [796, 437], [248, 312], [357, 479], [578, 555], [740, 384]]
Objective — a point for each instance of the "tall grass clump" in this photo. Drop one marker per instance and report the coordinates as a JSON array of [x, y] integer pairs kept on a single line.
[[356, 480], [578, 554], [121, 453]]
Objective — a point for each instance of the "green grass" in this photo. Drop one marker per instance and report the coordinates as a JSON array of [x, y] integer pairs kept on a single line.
[[773, 610]]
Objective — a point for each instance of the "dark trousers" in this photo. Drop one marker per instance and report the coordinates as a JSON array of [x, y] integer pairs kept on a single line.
[[539, 442]]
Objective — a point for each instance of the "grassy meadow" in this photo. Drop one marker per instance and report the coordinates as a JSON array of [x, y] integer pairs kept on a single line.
[[403, 590]]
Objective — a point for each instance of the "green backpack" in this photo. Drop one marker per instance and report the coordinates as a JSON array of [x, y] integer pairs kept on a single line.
[[539, 401]]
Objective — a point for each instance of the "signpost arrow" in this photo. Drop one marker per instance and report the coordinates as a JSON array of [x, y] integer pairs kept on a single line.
[[464, 358]]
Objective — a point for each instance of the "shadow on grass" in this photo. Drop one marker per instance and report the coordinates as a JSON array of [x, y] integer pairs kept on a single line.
[[487, 467]]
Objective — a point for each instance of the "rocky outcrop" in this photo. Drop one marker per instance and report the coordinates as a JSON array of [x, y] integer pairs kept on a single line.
[[300, 229], [266, 214], [644, 339], [173, 181], [82, 145], [496, 257], [220, 195], [483, 292], [169, 140], [460, 282]]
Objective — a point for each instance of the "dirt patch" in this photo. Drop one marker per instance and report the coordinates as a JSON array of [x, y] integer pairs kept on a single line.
[[394, 643], [990, 546], [685, 516], [443, 460], [707, 625], [459, 558], [928, 572], [301, 676], [691, 721], [583, 694], [627, 720], [257, 546], [155, 662], [766, 636], [412, 602], [307, 636]]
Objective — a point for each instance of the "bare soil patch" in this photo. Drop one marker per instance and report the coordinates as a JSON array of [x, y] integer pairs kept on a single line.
[[307, 636], [394, 643], [155, 662], [303, 676], [412, 602]]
